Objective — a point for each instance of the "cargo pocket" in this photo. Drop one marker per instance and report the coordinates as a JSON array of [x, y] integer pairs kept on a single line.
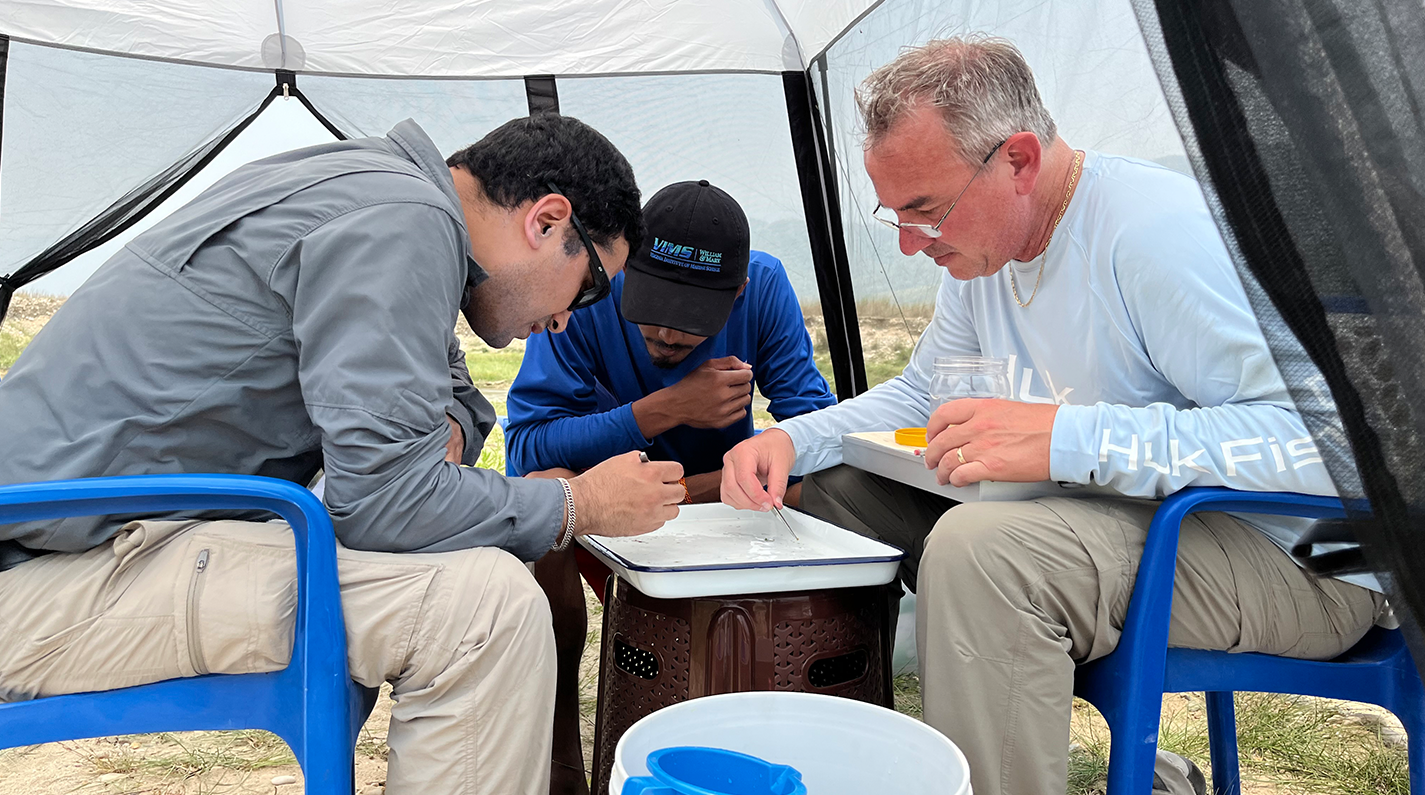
[[241, 601], [96, 620]]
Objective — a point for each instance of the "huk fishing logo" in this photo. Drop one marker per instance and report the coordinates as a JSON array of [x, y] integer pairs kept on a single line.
[[686, 256], [1133, 451]]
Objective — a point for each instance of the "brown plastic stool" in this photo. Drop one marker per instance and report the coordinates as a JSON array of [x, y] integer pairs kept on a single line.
[[658, 652]]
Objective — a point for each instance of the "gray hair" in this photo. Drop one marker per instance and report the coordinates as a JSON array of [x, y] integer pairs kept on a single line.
[[982, 85]]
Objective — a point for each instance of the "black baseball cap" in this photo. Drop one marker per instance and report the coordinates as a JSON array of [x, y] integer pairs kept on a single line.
[[686, 273]]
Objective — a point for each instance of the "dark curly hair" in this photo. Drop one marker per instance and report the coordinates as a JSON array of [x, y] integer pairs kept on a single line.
[[516, 162]]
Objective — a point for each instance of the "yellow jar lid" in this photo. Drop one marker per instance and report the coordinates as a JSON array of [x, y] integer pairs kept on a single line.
[[911, 437]]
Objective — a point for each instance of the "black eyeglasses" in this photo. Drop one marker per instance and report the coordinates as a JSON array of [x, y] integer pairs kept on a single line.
[[600, 288]]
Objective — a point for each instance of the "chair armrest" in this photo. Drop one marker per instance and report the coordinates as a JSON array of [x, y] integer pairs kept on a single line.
[[1152, 599], [319, 618]]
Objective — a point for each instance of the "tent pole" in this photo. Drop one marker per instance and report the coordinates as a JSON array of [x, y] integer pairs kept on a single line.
[[828, 243]]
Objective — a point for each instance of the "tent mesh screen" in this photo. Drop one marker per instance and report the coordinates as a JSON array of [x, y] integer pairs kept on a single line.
[[1305, 118]]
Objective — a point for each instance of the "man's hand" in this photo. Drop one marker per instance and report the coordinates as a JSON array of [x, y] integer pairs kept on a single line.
[[999, 439], [715, 395], [624, 496], [765, 458], [455, 447]]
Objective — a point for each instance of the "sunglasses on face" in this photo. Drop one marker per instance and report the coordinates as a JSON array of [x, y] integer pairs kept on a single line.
[[599, 286]]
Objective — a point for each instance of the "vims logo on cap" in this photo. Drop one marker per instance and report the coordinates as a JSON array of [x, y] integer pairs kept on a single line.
[[686, 256]]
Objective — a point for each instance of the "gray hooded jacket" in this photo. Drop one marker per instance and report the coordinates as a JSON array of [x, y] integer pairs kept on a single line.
[[297, 314]]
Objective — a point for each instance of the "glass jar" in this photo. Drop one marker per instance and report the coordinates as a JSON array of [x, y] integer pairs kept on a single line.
[[958, 377]]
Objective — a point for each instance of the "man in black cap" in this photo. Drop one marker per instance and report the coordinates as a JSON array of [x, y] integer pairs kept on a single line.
[[666, 367]]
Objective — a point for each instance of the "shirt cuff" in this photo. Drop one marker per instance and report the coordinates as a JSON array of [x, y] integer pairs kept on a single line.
[[1073, 454], [804, 435], [541, 517], [462, 416]]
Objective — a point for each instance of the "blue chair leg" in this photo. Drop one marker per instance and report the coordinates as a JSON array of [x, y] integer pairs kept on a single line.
[[1415, 754], [1408, 704], [1133, 748], [1222, 740]]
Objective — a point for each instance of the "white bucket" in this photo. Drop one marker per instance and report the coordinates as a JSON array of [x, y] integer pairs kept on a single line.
[[841, 747]]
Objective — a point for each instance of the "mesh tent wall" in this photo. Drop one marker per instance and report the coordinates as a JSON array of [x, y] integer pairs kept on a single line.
[[1305, 122], [109, 106]]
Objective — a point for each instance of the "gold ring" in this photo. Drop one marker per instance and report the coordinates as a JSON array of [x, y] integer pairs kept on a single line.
[[960, 454]]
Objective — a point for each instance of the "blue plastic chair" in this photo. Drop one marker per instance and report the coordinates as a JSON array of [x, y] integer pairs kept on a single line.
[[312, 704], [1127, 686]]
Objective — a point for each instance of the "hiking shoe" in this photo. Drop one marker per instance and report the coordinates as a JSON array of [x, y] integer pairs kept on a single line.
[[1177, 775]]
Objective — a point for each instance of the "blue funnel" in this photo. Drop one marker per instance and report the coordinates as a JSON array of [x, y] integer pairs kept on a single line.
[[690, 770]]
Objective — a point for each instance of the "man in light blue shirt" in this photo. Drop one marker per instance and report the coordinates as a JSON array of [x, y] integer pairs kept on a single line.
[[1135, 362]]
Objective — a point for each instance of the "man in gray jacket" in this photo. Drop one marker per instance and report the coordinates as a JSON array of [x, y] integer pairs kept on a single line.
[[299, 315]]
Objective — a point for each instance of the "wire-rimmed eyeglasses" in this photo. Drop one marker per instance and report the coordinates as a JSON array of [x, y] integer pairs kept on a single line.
[[926, 230]]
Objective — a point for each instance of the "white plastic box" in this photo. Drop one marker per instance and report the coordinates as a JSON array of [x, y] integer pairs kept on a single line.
[[717, 550], [877, 452]]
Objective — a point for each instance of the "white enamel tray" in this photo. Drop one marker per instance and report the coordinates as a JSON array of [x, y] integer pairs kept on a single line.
[[716, 550], [878, 453]]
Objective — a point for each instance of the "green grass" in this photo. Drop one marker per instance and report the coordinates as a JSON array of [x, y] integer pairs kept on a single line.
[[887, 367], [11, 344], [1302, 743], [494, 367], [493, 454], [886, 307], [906, 692], [878, 370], [1290, 744]]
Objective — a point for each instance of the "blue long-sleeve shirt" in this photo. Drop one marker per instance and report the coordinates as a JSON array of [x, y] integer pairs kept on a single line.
[[572, 403]]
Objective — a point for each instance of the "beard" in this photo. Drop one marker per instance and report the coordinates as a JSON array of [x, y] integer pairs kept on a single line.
[[667, 357], [499, 309]]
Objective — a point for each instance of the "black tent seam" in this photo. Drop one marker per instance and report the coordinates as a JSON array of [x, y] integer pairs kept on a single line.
[[541, 94], [7, 288], [331, 128], [4, 69], [287, 87], [824, 231]]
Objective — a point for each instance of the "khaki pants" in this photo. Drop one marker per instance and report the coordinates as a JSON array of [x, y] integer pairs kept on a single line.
[[1011, 596], [463, 637]]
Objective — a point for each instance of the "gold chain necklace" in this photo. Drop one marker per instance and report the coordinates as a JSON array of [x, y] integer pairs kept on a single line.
[[1073, 183]]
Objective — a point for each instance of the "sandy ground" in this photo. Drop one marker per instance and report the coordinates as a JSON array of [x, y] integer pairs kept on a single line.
[[224, 763]]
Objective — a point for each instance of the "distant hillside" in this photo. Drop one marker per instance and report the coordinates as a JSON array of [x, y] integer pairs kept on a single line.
[[28, 314]]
